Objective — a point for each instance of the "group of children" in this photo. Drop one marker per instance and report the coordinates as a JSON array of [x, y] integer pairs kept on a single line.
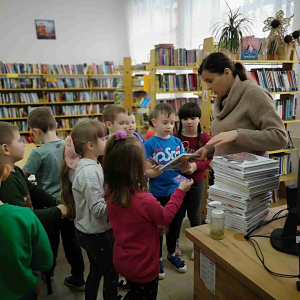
[[93, 189]]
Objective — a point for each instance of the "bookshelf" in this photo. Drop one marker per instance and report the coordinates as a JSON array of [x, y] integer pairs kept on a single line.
[[207, 98], [131, 92], [158, 70], [93, 92]]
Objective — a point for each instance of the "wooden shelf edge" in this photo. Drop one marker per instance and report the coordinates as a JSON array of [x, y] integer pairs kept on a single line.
[[283, 150], [288, 177], [279, 203]]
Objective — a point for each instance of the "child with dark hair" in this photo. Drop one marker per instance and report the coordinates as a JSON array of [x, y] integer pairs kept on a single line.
[[192, 138]]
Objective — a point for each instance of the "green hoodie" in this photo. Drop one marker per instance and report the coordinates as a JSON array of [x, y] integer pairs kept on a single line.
[[24, 246], [14, 190]]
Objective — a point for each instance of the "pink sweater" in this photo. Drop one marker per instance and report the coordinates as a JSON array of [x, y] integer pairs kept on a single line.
[[136, 249]]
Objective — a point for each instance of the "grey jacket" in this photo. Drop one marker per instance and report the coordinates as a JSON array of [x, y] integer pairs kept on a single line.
[[87, 187]]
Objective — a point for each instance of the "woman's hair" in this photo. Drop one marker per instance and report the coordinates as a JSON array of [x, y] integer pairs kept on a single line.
[[218, 62], [85, 131], [190, 110], [123, 167]]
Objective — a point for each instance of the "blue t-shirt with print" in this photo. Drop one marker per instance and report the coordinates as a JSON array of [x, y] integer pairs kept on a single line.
[[163, 151]]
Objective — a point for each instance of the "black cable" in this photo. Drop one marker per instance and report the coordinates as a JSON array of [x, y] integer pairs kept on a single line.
[[258, 251], [262, 259]]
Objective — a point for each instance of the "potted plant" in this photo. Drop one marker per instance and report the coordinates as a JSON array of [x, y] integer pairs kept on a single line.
[[277, 27], [229, 33]]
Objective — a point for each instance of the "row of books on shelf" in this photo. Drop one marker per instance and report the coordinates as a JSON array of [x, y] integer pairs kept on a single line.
[[284, 160], [10, 98], [61, 123], [58, 110], [68, 96], [38, 68], [167, 55], [178, 102], [85, 109], [275, 80], [107, 82], [68, 83], [106, 69], [20, 83], [286, 108], [19, 98], [177, 82]]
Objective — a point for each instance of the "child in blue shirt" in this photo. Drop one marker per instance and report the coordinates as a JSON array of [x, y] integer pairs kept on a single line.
[[163, 147]]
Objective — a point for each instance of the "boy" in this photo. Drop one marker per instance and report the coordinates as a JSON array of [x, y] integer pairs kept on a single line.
[[24, 247], [115, 118], [151, 128], [131, 127], [163, 147], [17, 190], [44, 162]]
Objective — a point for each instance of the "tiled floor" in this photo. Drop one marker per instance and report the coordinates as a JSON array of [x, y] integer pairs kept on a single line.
[[175, 286]]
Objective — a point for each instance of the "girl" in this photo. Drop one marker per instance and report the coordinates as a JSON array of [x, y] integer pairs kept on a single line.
[[135, 215], [82, 192], [131, 127], [192, 138], [245, 116]]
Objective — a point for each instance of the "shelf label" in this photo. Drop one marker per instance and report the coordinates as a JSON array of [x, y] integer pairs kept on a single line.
[[51, 79], [12, 75]]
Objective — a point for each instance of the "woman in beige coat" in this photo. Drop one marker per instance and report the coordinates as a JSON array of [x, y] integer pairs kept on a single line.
[[245, 115]]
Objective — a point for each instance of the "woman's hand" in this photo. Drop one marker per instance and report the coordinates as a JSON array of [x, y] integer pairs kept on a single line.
[[222, 138], [202, 152]]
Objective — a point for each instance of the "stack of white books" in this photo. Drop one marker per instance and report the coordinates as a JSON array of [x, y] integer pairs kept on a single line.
[[243, 184]]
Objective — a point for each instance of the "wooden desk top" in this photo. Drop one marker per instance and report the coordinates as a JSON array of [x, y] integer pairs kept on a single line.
[[238, 256]]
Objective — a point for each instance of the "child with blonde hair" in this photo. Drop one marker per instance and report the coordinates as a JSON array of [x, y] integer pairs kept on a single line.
[[83, 193]]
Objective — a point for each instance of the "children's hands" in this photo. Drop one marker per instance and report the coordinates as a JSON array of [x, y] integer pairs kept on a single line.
[[193, 168], [156, 170], [186, 186], [64, 210], [184, 167]]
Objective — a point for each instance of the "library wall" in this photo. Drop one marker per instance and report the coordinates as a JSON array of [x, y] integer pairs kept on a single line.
[[86, 31]]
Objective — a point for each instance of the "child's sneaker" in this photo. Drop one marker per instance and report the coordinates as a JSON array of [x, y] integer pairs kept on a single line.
[[123, 285], [161, 270], [177, 263], [178, 251], [79, 284]]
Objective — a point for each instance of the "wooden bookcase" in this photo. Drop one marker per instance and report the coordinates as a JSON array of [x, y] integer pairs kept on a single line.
[[41, 92]]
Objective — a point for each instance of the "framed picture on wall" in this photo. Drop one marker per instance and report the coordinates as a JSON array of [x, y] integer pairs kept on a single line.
[[45, 29]]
